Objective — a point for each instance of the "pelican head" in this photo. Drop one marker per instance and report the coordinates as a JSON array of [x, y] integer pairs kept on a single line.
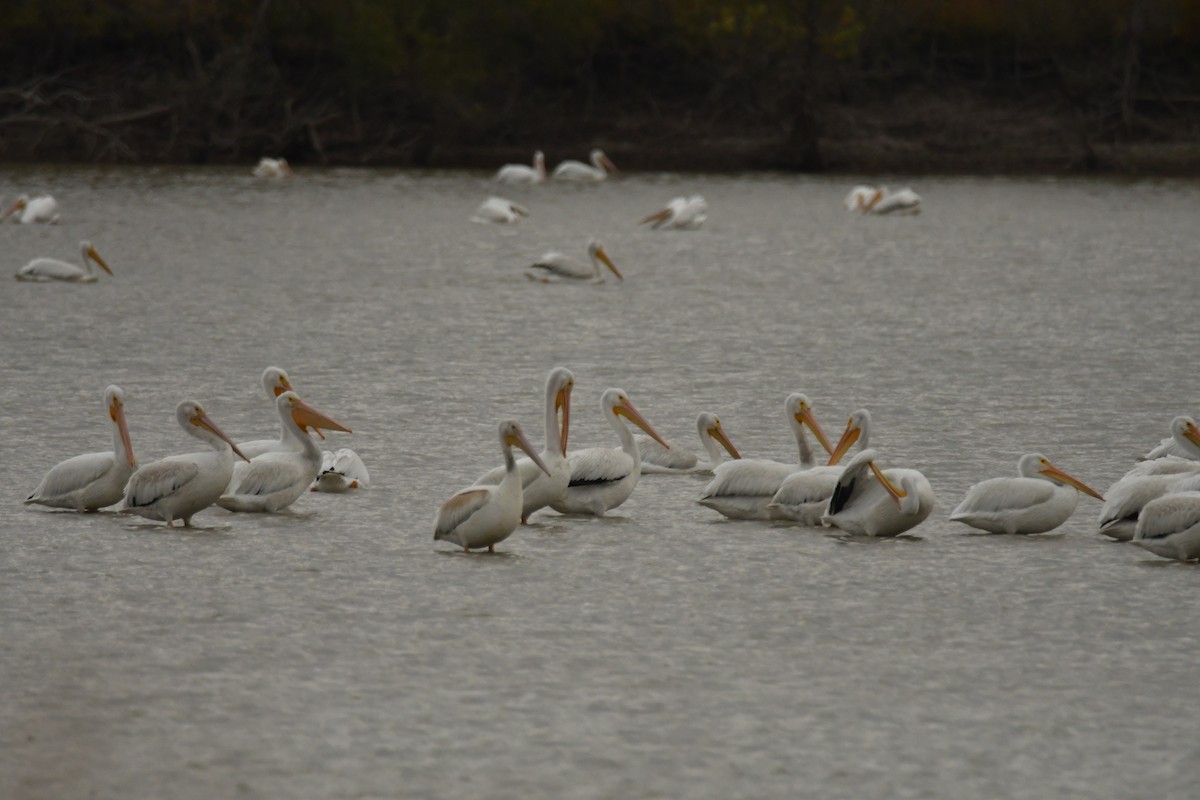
[[190, 413], [596, 252], [1032, 465], [856, 427], [617, 403], [275, 382], [708, 424], [601, 161], [90, 252], [1185, 428], [511, 435], [18, 205], [305, 416], [114, 400], [799, 410]]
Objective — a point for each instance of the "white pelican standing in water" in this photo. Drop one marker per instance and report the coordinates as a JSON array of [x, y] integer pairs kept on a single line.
[[93, 480], [274, 480], [599, 169], [541, 486], [554, 267], [523, 173], [603, 478], [657, 459], [1170, 526], [873, 502], [273, 168], [52, 269], [481, 516], [680, 213], [177, 487], [499, 211], [27, 210], [1038, 499], [341, 471], [1184, 442], [742, 489]]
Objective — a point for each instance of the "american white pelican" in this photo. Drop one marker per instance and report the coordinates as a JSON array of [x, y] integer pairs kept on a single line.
[[1184, 442], [870, 200], [1039, 499], [1125, 499], [657, 459], [177, 487], [499, 211], [803, 495], [28, 210], [554, 267], [274, 480], [603, 478], [272, 168], [93, 480], [51, 269], [680, 213], [274, 382], [341, 471], [742, 489], [523, 173], [873, 502], [599, 169], [541, 486], [481, 516], [1170, 526]]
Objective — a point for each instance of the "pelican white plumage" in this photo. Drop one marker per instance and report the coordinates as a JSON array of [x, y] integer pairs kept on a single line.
[[27, 210], [600, 168], [603, 478], [341, 471], [742, 489], [869, 501], [523, 173], [1040, 498], [482, 516], [541, 486], [879, 201], [274, 480], [858, 197], [499, 211], [554, 266], [274, 382], [1169, 526], [659, 459], [177, 487], [93, 480], [1184, 442], [1125, 499], [52, 269], [272, 168], [680, 213]]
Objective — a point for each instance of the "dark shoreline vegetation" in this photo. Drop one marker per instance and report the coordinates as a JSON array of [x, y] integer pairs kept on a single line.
[[805, 85]]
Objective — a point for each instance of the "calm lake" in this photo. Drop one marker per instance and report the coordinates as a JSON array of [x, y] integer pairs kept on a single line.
[[337, 651]]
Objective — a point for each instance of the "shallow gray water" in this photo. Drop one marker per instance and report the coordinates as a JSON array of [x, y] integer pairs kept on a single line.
[[338, 652]]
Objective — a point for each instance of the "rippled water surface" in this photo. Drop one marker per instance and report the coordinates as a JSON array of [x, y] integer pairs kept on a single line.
[[337, 651]]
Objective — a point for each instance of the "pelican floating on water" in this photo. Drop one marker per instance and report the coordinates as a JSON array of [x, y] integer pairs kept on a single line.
[[658, 459], [603, 478], [1184, 442], [542, 485], [52, 269], [598, 170], [873, 502], [274, 480], [554, 267], [1040, 498], [523, 173], [94, 480], [742, 489], [497, 210], [1125, 499], [680, 213], [341, 471], [273, 168], [879, 201], [28, 210], [804, 495], [481, 516], [1169, 526], [177, 487]]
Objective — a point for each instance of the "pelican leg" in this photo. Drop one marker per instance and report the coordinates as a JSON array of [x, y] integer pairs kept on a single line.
[[466, 549], [491, 548]]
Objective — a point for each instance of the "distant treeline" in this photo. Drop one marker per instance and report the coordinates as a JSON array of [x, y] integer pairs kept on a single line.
[[802, 84]]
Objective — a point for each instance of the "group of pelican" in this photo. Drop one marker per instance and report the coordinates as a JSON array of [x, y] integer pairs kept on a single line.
[[265, 475], [599, 169], [590, 482]]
